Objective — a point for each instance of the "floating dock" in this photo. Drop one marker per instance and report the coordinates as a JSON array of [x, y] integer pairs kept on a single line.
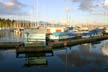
[[9, 45], [64, 43], [36, 50], [55, 44], [33, 49]]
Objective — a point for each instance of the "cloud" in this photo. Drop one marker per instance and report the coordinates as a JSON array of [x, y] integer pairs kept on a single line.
[[86, 5], [90, 5], [100, 14], [11, 7], [106, 3], [76, 0]]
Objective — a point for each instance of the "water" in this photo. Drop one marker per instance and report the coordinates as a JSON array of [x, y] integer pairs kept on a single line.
[[11, 36], [89, 57]]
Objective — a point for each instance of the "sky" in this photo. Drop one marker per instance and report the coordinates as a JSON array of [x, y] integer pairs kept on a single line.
[[79, 11]]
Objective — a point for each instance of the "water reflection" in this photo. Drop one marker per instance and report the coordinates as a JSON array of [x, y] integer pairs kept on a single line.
[[34, 58], [105, 48], [88, 57], [1, 57], [11, 35]]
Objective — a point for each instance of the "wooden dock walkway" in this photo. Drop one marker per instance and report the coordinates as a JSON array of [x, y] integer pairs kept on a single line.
[[33, 49], [65, 43], [9, 45], [55, 44]]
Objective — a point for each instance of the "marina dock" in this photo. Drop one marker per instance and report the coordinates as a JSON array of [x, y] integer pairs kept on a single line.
[[9, 45], [72, 42], [55, 44], [33, 49], [36, 50]]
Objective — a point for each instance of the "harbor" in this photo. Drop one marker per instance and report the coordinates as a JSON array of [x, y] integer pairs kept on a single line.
[[42, 39], [53, 49], [53, 35]]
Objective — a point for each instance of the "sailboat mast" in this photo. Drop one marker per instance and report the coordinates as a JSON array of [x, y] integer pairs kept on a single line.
[[35, 13], [67, 13]]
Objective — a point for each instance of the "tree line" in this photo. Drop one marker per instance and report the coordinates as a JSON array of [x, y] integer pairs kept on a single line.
[[8, 23]]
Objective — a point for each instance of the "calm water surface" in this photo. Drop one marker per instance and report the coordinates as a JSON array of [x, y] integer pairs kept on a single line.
[[89, 57]]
